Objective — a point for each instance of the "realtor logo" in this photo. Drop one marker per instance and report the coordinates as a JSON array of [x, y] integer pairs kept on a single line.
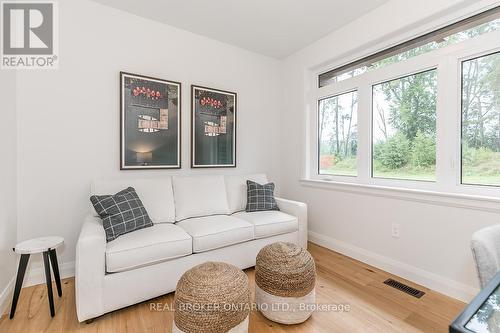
[[29, 35]]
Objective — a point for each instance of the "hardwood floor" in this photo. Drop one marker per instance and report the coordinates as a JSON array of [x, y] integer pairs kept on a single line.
[[373, 306]]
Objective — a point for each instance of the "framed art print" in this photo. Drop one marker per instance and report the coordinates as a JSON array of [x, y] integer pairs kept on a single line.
[[150, 117], [213, 128]]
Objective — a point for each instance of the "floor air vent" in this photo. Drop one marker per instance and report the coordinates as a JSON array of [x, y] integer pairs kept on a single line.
[[404, 288]]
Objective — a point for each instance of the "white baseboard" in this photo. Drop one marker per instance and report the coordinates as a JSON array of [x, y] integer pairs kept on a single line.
[[428, 279], [36, 275], [6, 295]]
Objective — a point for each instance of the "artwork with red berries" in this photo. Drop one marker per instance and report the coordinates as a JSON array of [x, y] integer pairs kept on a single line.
[[211, 101], [214, 128], [150, 122], [148, 93]]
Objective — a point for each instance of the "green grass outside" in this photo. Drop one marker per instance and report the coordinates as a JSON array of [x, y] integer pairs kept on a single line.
[[481, 180], [481, 167], [407, 172], [345, 167]]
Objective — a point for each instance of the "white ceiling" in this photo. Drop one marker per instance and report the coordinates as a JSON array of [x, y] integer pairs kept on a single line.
[[276, 28]]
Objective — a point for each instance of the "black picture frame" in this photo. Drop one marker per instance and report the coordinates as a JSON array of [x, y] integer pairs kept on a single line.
[[150, 126], [213, 127]]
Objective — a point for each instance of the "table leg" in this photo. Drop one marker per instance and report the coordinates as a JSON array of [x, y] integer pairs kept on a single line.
[[55, 269], [49, 282], [23, 263]]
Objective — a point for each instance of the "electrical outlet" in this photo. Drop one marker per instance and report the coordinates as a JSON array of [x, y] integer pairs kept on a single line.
[[395, 231]]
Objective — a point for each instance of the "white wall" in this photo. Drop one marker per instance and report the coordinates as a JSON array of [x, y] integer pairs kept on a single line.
[[8, 184], [69, 118], [434, 244]]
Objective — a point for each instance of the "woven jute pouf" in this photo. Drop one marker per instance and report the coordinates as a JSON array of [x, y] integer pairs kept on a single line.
[[285, 275], [210, 298]]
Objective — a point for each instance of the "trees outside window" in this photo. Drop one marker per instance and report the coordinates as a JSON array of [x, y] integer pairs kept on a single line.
[[481, 120], [396, 91], [404, 127], [337, 132]]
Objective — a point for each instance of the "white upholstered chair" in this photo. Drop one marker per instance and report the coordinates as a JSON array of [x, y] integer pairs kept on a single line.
[[486, 252]]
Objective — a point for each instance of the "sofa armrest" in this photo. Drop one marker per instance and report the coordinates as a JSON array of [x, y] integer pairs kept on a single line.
[[90, 268], [299, 210]]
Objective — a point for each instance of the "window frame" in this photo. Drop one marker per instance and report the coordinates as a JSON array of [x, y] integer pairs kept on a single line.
[[373, 119], [448, 62], [319, 139], [461, 85]]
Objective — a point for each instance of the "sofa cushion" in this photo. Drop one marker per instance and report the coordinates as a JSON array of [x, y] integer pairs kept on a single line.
[[121, 213], [236, 187], [199, 196], [260, 197], [155, 193], [270, 223], [212, 232], [148, 246]]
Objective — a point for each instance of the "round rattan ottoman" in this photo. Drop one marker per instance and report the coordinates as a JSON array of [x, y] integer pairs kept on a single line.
[[285, 275], [212, 297]]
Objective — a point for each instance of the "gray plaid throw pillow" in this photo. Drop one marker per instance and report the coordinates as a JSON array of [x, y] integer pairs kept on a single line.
[[260, 197], [121, 213]]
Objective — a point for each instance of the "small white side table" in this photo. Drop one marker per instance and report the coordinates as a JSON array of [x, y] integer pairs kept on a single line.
[[47, 246]]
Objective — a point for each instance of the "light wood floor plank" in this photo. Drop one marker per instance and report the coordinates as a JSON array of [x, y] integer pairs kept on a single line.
[[374, 307]]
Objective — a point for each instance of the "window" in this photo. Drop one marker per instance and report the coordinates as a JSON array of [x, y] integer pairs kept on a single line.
[[423, 115], [404, 127], [455, 33], [337, 133], [481, 120]]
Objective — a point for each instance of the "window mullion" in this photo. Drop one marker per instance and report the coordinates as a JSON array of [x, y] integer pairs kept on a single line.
[[448, 124], [364, 132]]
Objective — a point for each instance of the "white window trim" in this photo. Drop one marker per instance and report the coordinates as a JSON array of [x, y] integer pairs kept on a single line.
[[448, 159], [476, 202]]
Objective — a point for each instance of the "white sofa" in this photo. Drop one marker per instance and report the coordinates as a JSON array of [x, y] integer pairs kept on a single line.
[[196, 218]]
